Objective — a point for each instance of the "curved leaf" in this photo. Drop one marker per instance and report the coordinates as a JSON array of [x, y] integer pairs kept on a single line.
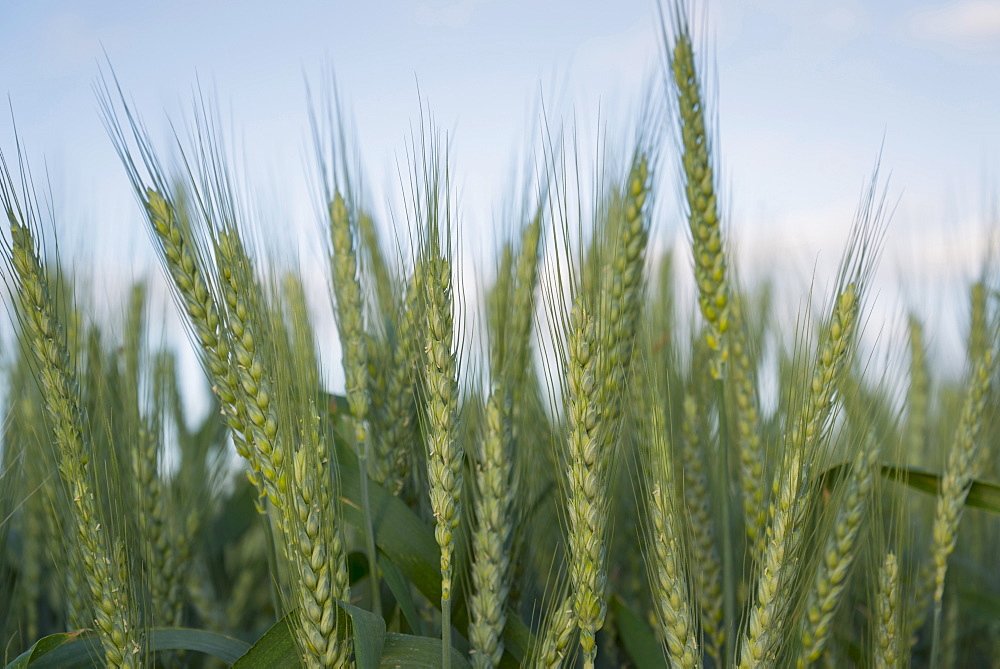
[[417, 652], [637, 636], [276, 648], [44, 646], [81, 649], [220, 646], [368, 633], [981, 494]]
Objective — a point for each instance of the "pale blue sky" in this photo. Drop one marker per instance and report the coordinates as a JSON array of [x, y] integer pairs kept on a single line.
[[807, 91]]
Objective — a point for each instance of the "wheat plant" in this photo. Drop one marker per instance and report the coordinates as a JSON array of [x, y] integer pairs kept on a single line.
[[596, 449]]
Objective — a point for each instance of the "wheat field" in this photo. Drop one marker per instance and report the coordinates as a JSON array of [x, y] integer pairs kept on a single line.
[[603, 485]]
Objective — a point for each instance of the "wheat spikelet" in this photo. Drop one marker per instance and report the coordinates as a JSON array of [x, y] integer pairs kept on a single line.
[[555, 641], [887, 615]]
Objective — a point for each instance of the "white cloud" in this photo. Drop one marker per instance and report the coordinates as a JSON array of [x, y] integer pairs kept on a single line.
[[973, 24]]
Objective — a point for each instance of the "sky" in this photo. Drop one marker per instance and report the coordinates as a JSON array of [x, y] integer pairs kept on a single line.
[[809, 95]]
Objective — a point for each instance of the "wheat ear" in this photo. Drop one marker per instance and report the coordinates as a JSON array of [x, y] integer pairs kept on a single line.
[[887, 607], [254, 391], [491, 540], [758, 647], [704, 549], [838, 556], [322, 561], [665, 555], [444, 451], [400, 384], [585, 488], [103, 560], [748, 437], [350, 326], [699, 189], [190, 280], [555, 641], [963, 466]]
